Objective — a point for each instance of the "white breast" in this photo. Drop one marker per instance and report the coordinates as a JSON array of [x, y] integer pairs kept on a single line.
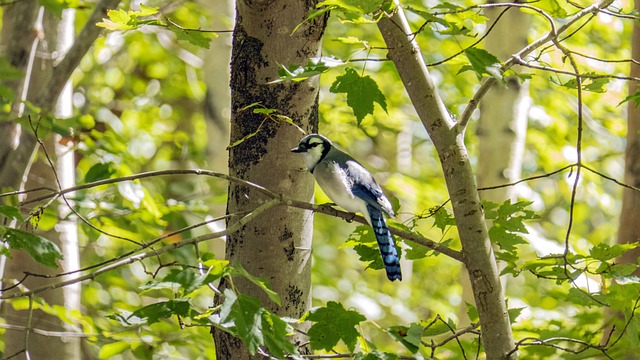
[[333, 181]]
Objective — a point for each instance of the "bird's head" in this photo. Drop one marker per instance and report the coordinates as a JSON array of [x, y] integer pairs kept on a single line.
[[314, 147]]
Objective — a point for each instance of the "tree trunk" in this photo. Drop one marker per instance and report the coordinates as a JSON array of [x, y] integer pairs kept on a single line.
[[629, 231], [277, 245], [448, 140], [502, 126], [503, 112], [27, 33]]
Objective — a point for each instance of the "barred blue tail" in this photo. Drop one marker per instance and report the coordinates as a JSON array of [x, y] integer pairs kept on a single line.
[[386, 244]]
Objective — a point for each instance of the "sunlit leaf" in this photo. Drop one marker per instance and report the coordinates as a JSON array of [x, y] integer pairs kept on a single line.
[[315, 66], [110, 350], [483, 63], [604, 252]]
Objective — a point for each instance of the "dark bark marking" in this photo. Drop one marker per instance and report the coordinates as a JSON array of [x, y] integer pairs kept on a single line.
[[484, 288]]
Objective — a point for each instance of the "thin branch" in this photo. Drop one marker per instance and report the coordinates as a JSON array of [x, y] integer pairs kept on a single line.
[[521, 62], [189, 242], [198, 30], [66, 334], [325, 209], [291, 202], [634, 188], [146, 245], [605, 60], [553, 34], [34, 128], [527, 179], [474, 43], [148, 174]]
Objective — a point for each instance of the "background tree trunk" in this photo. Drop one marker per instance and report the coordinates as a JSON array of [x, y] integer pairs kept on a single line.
[[217, 104], [629, 231], [277, 245], [448, 140], [53, 33], [502, 126]]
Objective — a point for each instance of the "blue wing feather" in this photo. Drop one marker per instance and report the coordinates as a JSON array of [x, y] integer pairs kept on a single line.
[[365, 187]]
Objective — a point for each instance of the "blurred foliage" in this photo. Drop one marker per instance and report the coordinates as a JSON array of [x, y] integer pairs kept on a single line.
[[138, 97]]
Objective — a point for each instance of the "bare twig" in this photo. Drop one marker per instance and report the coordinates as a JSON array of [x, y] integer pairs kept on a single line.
[[551, 35], [231, 229]]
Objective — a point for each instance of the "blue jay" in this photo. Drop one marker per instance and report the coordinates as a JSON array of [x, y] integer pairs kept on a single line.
[[351, 186]]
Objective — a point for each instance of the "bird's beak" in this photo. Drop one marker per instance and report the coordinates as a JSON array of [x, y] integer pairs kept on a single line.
[[297, 150]]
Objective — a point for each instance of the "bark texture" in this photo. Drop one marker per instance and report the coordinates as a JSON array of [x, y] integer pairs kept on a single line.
[[448, 140], [277, 245], [502, 126]]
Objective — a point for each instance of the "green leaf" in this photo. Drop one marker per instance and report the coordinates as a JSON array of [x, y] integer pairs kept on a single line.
[[370, 254], [315, 66], [11, 212], [261, 282], [351, 10], [408, 336], [443, 219], [415, 251], [8, 71], [195, 37], [128, 20], [332, 324], [365, 244], [154, 312], [514, 313], [579, 297], [635, 97], [437, 328], [54, 6], [275, 333], [508, 222], [126, 318], [147, 10], [604, 252], [41, 250], [117, 20], [244, 313], [351, 40], [483, 62], [552, 7], [362, 92], [108, 351], [472, 312], [99, 172], [588, 84], [429, 17]]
